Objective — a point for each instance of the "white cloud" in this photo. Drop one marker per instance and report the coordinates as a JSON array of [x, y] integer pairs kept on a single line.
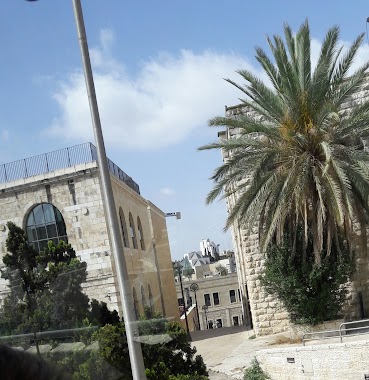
[[362, 55], [167, 191], [170, 97]]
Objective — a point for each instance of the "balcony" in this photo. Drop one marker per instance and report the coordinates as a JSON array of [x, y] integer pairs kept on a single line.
[[60, 159]]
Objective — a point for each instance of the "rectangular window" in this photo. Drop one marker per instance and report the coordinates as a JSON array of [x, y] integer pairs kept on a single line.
[[232, 296], [239, 295], [180, 302], [216, 298], [207, 299]]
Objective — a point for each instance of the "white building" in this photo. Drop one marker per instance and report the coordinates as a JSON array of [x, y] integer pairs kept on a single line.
[[209, 248]]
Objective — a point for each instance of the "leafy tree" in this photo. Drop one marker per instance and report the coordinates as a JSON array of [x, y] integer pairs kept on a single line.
[[310, 293], [101, 315], [188, 272], [163, 361], [222, 270], [45, 288], [298, 159], [255, 372]]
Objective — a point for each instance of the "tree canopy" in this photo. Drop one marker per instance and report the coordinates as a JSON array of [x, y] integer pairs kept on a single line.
[[298, 156], [45, 288]]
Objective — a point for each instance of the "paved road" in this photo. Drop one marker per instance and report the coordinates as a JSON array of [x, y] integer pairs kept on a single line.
[[216, 347], [228, 351], [226, 356]]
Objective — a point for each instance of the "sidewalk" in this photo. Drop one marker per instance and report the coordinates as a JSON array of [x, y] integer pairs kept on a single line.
[[227, 352], [227, 356]]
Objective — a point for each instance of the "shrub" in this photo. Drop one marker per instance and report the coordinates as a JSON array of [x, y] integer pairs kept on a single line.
[[254, 372], [310, 293]]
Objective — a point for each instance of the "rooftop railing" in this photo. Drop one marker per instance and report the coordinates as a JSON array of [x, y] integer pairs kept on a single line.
[[59, 159]]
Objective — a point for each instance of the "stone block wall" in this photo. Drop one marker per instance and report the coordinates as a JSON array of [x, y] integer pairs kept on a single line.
[[226, 309], [75, 192], [340, 361], [267, 314]]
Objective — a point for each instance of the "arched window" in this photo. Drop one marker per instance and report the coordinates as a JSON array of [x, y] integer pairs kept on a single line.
[[143, 297], [45, 223], [151, 300], [132, 231], [123, 227], [135, 302], [140, 234]]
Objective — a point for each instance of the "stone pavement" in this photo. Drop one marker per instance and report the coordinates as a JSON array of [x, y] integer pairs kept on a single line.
[[227, 355], [227, 352]]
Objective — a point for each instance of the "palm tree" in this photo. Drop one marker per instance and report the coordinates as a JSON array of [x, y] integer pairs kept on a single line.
[[298, 159]]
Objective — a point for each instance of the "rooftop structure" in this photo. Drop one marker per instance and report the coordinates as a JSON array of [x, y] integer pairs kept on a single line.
[[57, 196], [59, 159]]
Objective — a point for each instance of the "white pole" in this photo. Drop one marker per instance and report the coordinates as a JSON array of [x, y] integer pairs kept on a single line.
[[135, 352]]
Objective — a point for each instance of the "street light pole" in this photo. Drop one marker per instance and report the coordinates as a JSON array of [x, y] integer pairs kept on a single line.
[[194, 288], [134, 347], [178, 268]]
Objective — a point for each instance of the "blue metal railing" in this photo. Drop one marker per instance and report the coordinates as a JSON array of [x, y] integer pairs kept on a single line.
[[59, 159]]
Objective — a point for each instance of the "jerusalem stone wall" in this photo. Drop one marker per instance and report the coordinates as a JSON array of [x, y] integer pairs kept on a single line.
[[268, 315], [76, 193], [339, 361], [226, 309]]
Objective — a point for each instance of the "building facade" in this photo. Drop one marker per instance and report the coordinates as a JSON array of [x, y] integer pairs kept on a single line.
[[209, 248], [56, 196], [218, 301], [262, 311]]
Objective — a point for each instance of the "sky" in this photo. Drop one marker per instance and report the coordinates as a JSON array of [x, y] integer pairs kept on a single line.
[[159, 69]]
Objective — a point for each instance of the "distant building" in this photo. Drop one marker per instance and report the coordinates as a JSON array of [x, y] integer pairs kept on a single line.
[[194, 259], [205, 266], [210, 249], [56, 196], [218, 302]]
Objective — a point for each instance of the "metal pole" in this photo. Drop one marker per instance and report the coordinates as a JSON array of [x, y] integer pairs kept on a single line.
[[135, 352], [185, 310], [194, 288], [197, 312]]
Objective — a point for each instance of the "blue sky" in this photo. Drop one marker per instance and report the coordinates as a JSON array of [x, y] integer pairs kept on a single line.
[[159, 69]]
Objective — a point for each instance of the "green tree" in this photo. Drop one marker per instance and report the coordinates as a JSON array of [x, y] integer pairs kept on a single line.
[[310, 293], [101, 315], [255, 372], [298, 159], [222, 270], [163, 361], [188, 272], [45, 288]]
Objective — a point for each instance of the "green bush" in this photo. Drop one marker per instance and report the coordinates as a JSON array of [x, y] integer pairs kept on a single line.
[[310, 293], [163, 361], [254, 372]]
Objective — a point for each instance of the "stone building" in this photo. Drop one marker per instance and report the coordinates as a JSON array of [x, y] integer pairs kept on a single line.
[[220, 295], [264, 313], [56, 196]]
